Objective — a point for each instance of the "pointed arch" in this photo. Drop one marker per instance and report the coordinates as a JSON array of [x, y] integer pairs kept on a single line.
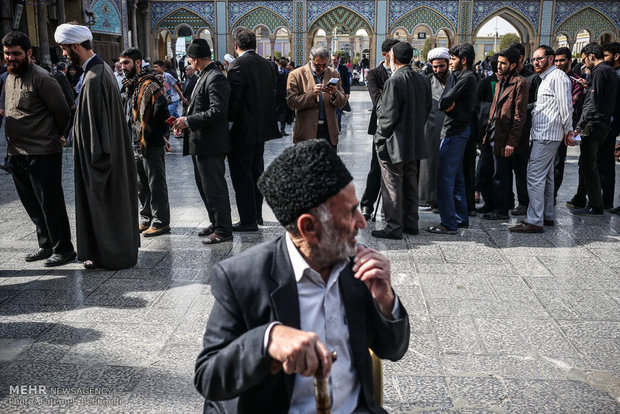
[[427, 16], [524, 27], [261, 16], [182, 17], [340, 17], [590, 19]]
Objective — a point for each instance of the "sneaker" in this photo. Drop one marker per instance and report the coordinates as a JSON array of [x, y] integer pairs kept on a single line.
[[589, 212]]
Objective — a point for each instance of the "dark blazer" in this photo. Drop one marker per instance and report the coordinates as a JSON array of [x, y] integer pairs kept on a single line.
[[189, 85], [402, 112], [510, 112], [258, 287], [207, 115], [345, 78], [376, 79], [252, 108], [67, 91]]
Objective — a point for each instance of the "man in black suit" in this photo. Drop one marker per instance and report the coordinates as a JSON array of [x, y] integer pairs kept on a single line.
[[345, 79], [307, 295], [252, 112], [188, 85], [61, 77], [376, 79], [208, 140]]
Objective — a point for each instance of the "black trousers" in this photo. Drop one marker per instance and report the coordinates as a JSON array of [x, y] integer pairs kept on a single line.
[[152, 187], [519, 166], [558, 169], [246, 166], [38, 180], [209, 171], [485, 170], [373, 183], [589, 178], [469, 174], [502, 184], [607, 167]]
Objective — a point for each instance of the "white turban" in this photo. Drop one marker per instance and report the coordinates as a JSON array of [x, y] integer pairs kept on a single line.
[[438, 53], [68, 34], [228, 58]]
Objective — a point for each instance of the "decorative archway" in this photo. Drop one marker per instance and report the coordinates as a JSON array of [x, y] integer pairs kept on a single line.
[[424, 15], [524, 27], [588, 19], [342, 17], [182, 17], [263, 17]]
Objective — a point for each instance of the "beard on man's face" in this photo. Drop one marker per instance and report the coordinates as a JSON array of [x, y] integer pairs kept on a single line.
[[131, 72], [17, 66], [74, 57]]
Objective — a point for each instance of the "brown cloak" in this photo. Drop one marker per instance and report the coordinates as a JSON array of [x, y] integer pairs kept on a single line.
[[106, 201]]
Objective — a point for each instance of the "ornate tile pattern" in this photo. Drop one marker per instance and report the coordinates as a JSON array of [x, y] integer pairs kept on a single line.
[[204, 9], [108, 16], [237, 9], [465, 22], [300, 28], [260, 15], [341, 17], [530, 9], [586, 18], [546, 23], [423, 15], [563, 9], [183, 16], [449, 9], [363, 7], [381, 26]]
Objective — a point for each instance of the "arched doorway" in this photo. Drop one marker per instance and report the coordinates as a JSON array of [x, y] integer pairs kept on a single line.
[[561, 40], [605, 38], [443, 40], [208, 36], [582, 38], [263, 44], [282, 44], [520, 25], [319, 38], [400, 34], [489, 36]]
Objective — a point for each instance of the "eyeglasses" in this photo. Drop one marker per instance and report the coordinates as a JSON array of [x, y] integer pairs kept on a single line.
[[320, 65], [538, 59]]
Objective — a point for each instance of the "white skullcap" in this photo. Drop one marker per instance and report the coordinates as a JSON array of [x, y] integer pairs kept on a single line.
[[438, 53], [228, 58], [68, 34]]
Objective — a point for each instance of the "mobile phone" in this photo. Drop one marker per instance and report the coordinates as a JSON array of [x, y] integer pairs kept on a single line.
[[170, 121], [577, 137], [333, 82]]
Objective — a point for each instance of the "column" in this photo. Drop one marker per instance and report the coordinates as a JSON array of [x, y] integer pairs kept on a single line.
[[380, 33], [44, 44], [7, 16], [147, 46], [173, 45], [330, 40], [272, 42], [221, 29], [60, 11], [134, 25], [546, 14], [301, 46], [352, 47]]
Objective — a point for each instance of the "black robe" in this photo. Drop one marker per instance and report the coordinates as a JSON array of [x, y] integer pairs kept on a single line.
[[106, 199]]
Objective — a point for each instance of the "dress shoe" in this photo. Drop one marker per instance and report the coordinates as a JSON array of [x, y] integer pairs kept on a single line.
[[143, 227], [440, 229], [615, 210], [156, 231], [411, 230], [206, 231], [495, 216], [239, 226], [367, 213], [549, 223], [38, 255], [216, 238], [462, 225], [259, 221], [90, 265], [484, 209], [574, 204], [589, 212], [526, 228], [5, 168], [472, 213], [382, 234], [59, 259], [521, 210]]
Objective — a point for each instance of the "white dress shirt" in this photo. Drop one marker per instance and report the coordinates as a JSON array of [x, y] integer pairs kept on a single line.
[[552, 116]]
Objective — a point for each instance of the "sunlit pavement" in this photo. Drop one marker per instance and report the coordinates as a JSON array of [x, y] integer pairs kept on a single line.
[[500, 322]]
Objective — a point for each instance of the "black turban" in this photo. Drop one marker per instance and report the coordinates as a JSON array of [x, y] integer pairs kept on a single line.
[[199, 48], [301, 178]]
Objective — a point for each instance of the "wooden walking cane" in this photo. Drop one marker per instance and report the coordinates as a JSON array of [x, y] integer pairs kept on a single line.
[[321, 385]]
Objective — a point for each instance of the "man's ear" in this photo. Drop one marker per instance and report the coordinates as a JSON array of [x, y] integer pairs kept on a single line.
[[309, 228]]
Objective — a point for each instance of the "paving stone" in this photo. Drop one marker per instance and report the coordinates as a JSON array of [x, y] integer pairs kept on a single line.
[[468, 392], [420, 393]]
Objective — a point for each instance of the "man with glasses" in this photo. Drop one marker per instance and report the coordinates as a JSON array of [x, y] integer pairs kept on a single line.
[[314, 99], [551, 123], [563, 59], [593, 126]]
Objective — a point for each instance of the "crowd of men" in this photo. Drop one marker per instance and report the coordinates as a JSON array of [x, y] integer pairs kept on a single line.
[[313, 289]]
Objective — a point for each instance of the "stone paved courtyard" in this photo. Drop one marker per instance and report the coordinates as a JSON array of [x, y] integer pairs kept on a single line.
[[501, 323]]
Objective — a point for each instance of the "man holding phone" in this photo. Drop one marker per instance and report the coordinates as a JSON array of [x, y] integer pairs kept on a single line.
[[314, 91]]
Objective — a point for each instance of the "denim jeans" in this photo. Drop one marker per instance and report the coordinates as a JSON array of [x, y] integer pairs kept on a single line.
[[451, 198], [173, 108]]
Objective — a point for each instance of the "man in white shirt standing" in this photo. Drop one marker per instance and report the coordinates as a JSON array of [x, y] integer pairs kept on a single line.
[[119, 74], [551, 123], [281, 307]]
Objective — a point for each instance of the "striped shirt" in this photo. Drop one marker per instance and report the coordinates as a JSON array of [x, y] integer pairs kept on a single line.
[[553, 111]]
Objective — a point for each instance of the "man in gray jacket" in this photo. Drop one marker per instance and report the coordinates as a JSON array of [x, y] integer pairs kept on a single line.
[[402, 112], [37, 116]]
